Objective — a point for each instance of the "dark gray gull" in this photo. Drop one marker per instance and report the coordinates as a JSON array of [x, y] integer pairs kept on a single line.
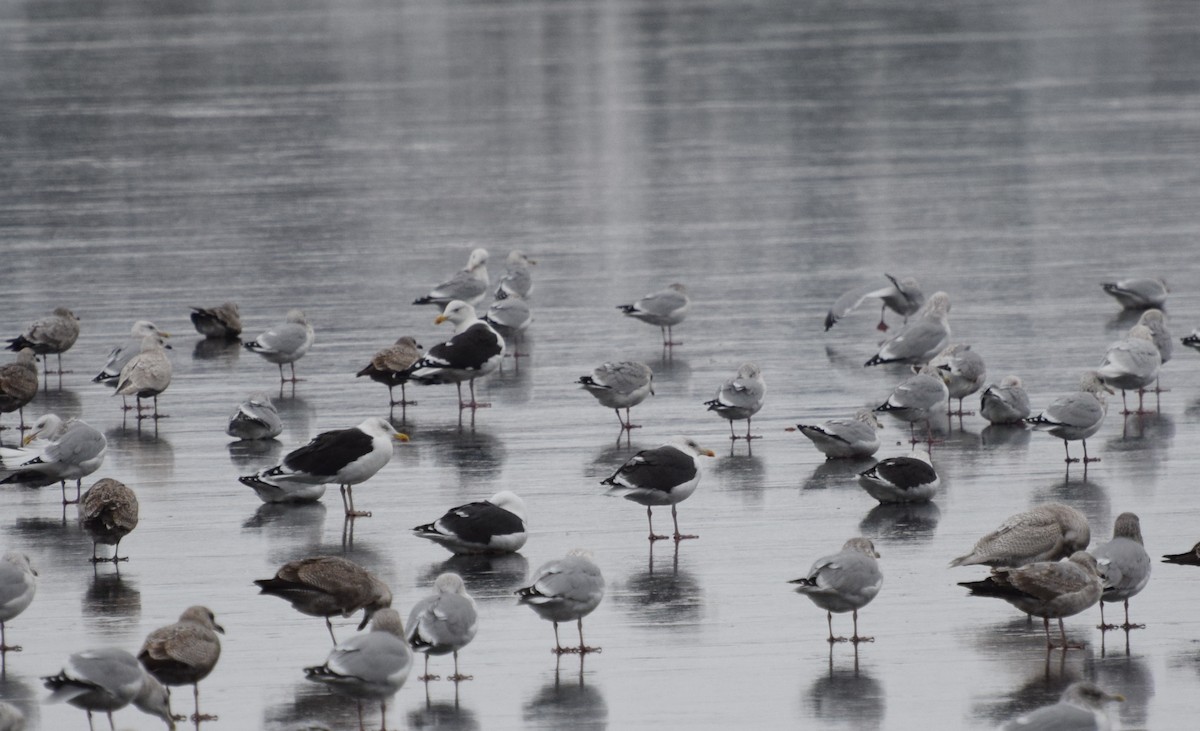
[[917, 398], [845, 581], [1080, 708], [963, 371], [1046, 532], [255, 418], [469, 284], [390, 367], [328, 586], [474, 350], [108, 512], [1138, 293], [740, 397], [902, 296], [18, 584], [184, 653], [517, 281], [665, 308], [18, 384], [1006, 403], [52, 335], [106, 680], [921, 339], [146, 375], [285, 343], [220, 322], [370, 665], [665, 475], [443, 623], [123, 353], [1076, 416], [75, 450], [564, 590], [492, 526], [841, 438], [1124, 566], [1131, 364], [908, 479], [620, 385]]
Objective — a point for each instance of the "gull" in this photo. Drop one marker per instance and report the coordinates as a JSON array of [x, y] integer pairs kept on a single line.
[[909, 479], [1156, 321], [840, 438], [740, 397], [665, 308], [328, 586], [964, 373], [516, 281], [11, 718], [1124, 566], [1047, 532], [916, 398], [620, 385], [255, 418], [510, 317], [903, 296], [286, 343], [665, 475], [921, 339], [106, 680], [443, 623], [845, 581], [1193, 340], [18, 384], [18, 584], [146, 375], [475, 349], [564, 590], [1046, 589], [492, 526], [1080, 708], [125, 352], [1138, 293], [222, 321], [1131, 363], [469, 284], [184, 653], [53, 335], [1076, 416], [345, 456], [76, 450], [108, 512], [370, 665], [390, 367], [1187, 558], [1005, 404]]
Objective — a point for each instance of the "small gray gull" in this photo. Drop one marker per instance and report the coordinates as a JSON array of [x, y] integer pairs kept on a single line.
[[123, 353], [18, 384], [106, 680], [492, 526], [370, 665], [665, 475], [1161, 335], [841, 438], [516, 281], [1080, 708], [740, 397], [328, 586], [1047, 532], [665, 308], [108, 512], [917, 398], [1076, 416], [908, 479], [564, 590], [964, 373], [390, 367], [1187, 558], [255, 418], [1124, 566], [343, 456], [146, 375], [921, 339], [469, 284], [1046, 589], [53, 335], [1006, 403], [75, 450], [1138, 293], [18, 584], [221, 322], [620, 385], [903, 296], [443, 623], [845, 581], [1131, 363], [184, 653], [510, 317], [475, 349], [286, 343]]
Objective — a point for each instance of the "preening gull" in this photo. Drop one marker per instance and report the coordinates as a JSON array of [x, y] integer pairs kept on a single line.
[[665, 308], [390, 367], [1081, 708], [443, 623], [963, 370], [469, 284], [255, 418], [475, 349], [75, 450], [564, 590], [286, 343], [908, 479], [845, 581], [1131, 363], [1138, 293], [1047, 532], [740, 397], [125, 352], [1124, 566], [106, 680], [18, 384], [329, 586], [840, 438], [146, 375], [1076, 416], [222, 321], [184, 653], [1005, 404], [903, 296], [343, 456], [665, 475], [18, 584], [108, 512], [495, 525], [921, 339], [620, 385], [53, 335], [917, 398], [516, 281]]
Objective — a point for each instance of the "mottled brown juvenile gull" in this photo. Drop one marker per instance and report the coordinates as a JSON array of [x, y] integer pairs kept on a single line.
[[474, 350], [620, 385], [1131, 363], [329, 586], [845, 581], [255, 418], [370, 665], [921, 339], [18, 384], [740, 397], [1124, 566], [908, 479], [469, 284], [106, 680], [108, 512], [1046, 589], [492, 526], [1187, 558], [1076, 416], [1005, 404], [963, 371], [564, 590], [125, 352], [443, 623], [1047, 532], [53, 335], [665, 308], [222, 321], [1138, 293], [75, 450], [516, 281], [18, 584], [1081, 708], [390, 367], [903, 296], [841, 438], [146, 375], [285, 343], [184, 653], [917, 398], [665, 475]]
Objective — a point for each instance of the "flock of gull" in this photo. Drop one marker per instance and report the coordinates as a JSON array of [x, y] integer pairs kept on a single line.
[[1039, 560]]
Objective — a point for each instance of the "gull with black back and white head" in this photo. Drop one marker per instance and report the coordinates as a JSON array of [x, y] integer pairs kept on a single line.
[[51, 335], [842, 438], [123, 353], [907, 479], [443, 623], [1046, 532], [18, 384], [285, 343], [1131, 363], [222, 321], [255, 418], [963, 371], [1076, 416], [917, 398], [146, 375], [665, 308], [740, 397], [1138, 293], [665, 475], [18, 584], [469, 284], [902, 296], [921, 339], [108, 679], [390, 367], [75, 450], [620, 385], [184, 653], [108, 512], [328, 586], [1080, 708], [474, 350], [1124, 567], [517, 281], [492, 526], [566, 589], [1007, 403], [342, 456], [370, 665], [845, 581]]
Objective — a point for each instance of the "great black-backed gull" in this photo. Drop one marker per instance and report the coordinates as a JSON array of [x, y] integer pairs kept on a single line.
[[495, 525], [907, 479], [665, 475], [474, 350]]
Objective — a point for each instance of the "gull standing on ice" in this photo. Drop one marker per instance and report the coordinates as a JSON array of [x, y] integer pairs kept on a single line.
[[53, 335], [565, 589], [222, 321], [1047, 532], [1138, 293], [390, 367], [492, 526], [108, 512], [125, 352], [1131, 363], [255, 418], [328, 586], [184, 653], [1076, 416], [666, 475], [76, 450], [909, 479], [1005, 404], [370, 665], [18, 584], [516, 281], [1156, 321], [921, 339], [475, 349], [620, 385], [146, 375], [510, 317], [917, 398], [107, 680], [1124, 566], [286, 343], [840, 438], [469, 284], [665, 308], [964, 373], [740, 397], [904, 297], [18, 384], [443, 623], [1081, 708], [845, 581]]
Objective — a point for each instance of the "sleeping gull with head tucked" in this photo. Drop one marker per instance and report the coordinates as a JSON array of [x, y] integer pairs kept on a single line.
[[845, 581], [908, 479], [492, 526], [1081, 708], [620, 385], [517, 281], [740, 397], [1006, 403], [52, 335], [845, 437], [564, 590], [1047, 532], [255, 418], [222, 321], [921, 339], [443, 623], [285, 343], [1124, 566], [1076, 416], [370, 665], [1138, 293]]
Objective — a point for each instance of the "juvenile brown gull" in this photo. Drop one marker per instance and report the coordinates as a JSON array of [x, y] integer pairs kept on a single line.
[[1187, 558], [1047, 532], [564, 590], [903, 296], [125, 352], [443, 623], [222, 321], [18, 384], [390, 367], [146, 375], [285, 343], [53, 335], [845, 581], [108, 512], [665, 308], [328, 586], [665, 475], [184, 653]]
